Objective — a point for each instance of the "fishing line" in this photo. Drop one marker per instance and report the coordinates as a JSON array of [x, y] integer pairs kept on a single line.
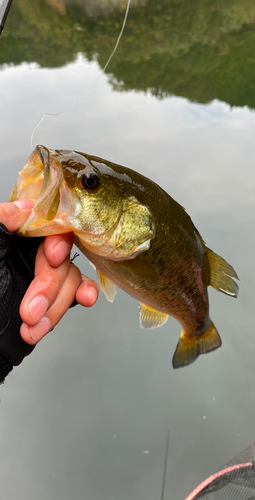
[[93, 85]]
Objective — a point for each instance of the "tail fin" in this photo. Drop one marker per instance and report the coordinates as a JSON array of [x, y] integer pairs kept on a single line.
[[221, 274], [189, 348]]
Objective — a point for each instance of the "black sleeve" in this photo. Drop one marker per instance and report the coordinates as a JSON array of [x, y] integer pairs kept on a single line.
[[17, 260]]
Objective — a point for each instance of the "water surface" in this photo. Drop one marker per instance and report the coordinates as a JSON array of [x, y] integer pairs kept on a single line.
[[86, 415]]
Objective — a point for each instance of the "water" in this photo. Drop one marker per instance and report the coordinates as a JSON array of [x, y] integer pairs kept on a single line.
[[86, 416]]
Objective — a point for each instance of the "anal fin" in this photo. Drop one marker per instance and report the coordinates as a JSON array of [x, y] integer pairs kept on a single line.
[[190, 347], [107, 286], [222, 274], [151, 318]]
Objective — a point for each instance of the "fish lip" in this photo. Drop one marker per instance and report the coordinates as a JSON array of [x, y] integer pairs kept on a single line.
[[51, 169], [52, 179], [44, 155]]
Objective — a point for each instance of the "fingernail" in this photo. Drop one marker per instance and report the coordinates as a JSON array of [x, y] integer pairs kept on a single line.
[[61, 250], [89, 297], [93, 293], [37, 307], [38, 331], [24, 204]]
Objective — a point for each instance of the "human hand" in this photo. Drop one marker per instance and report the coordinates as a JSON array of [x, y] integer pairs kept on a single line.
[[57, 282]]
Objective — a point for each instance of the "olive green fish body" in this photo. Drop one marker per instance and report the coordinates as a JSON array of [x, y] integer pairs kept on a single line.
[[165, 277], [135, 234], [175, 276]]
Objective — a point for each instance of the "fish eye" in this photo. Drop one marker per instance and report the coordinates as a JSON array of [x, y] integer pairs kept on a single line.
[[90, 182]]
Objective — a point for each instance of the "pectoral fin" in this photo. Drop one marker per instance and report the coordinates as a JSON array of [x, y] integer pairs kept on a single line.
[[190, 347], [151, 318], [107, 286], [222, 274], [141, 269]]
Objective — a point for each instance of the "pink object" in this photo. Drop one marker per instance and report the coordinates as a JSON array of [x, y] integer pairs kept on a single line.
[[210, 479]]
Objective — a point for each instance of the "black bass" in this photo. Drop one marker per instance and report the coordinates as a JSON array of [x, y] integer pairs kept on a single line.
[[135, 234]]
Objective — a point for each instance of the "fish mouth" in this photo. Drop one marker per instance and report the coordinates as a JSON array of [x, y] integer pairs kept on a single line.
[[42, 178], [30, 180]]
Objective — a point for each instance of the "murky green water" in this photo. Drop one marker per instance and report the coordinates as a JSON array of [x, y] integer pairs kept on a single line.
[[86, 416]]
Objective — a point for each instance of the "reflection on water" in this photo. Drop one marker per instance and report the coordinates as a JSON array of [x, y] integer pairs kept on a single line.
[[78, 414], [199, 51]]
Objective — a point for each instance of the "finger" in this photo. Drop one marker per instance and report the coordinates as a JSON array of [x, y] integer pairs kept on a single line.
[[57, 248], [87, 293], [13, 215], [44, 289], [66, 295]]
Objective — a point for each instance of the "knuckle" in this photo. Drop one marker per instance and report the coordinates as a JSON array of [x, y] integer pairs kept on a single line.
[[54, 281], [49, 281], [9, 210], [75, 273]]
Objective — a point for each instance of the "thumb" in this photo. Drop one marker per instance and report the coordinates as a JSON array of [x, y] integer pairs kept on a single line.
[[13, 215]]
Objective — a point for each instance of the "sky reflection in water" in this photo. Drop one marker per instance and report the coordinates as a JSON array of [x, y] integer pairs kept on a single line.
[[78, 414]]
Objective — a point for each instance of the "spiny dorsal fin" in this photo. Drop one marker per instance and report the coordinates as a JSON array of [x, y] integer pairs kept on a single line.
[[107, 286], [221, 274], [190, 347], [151, 318]]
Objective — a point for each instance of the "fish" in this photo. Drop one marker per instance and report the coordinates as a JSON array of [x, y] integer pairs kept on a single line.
[[137, 237]]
